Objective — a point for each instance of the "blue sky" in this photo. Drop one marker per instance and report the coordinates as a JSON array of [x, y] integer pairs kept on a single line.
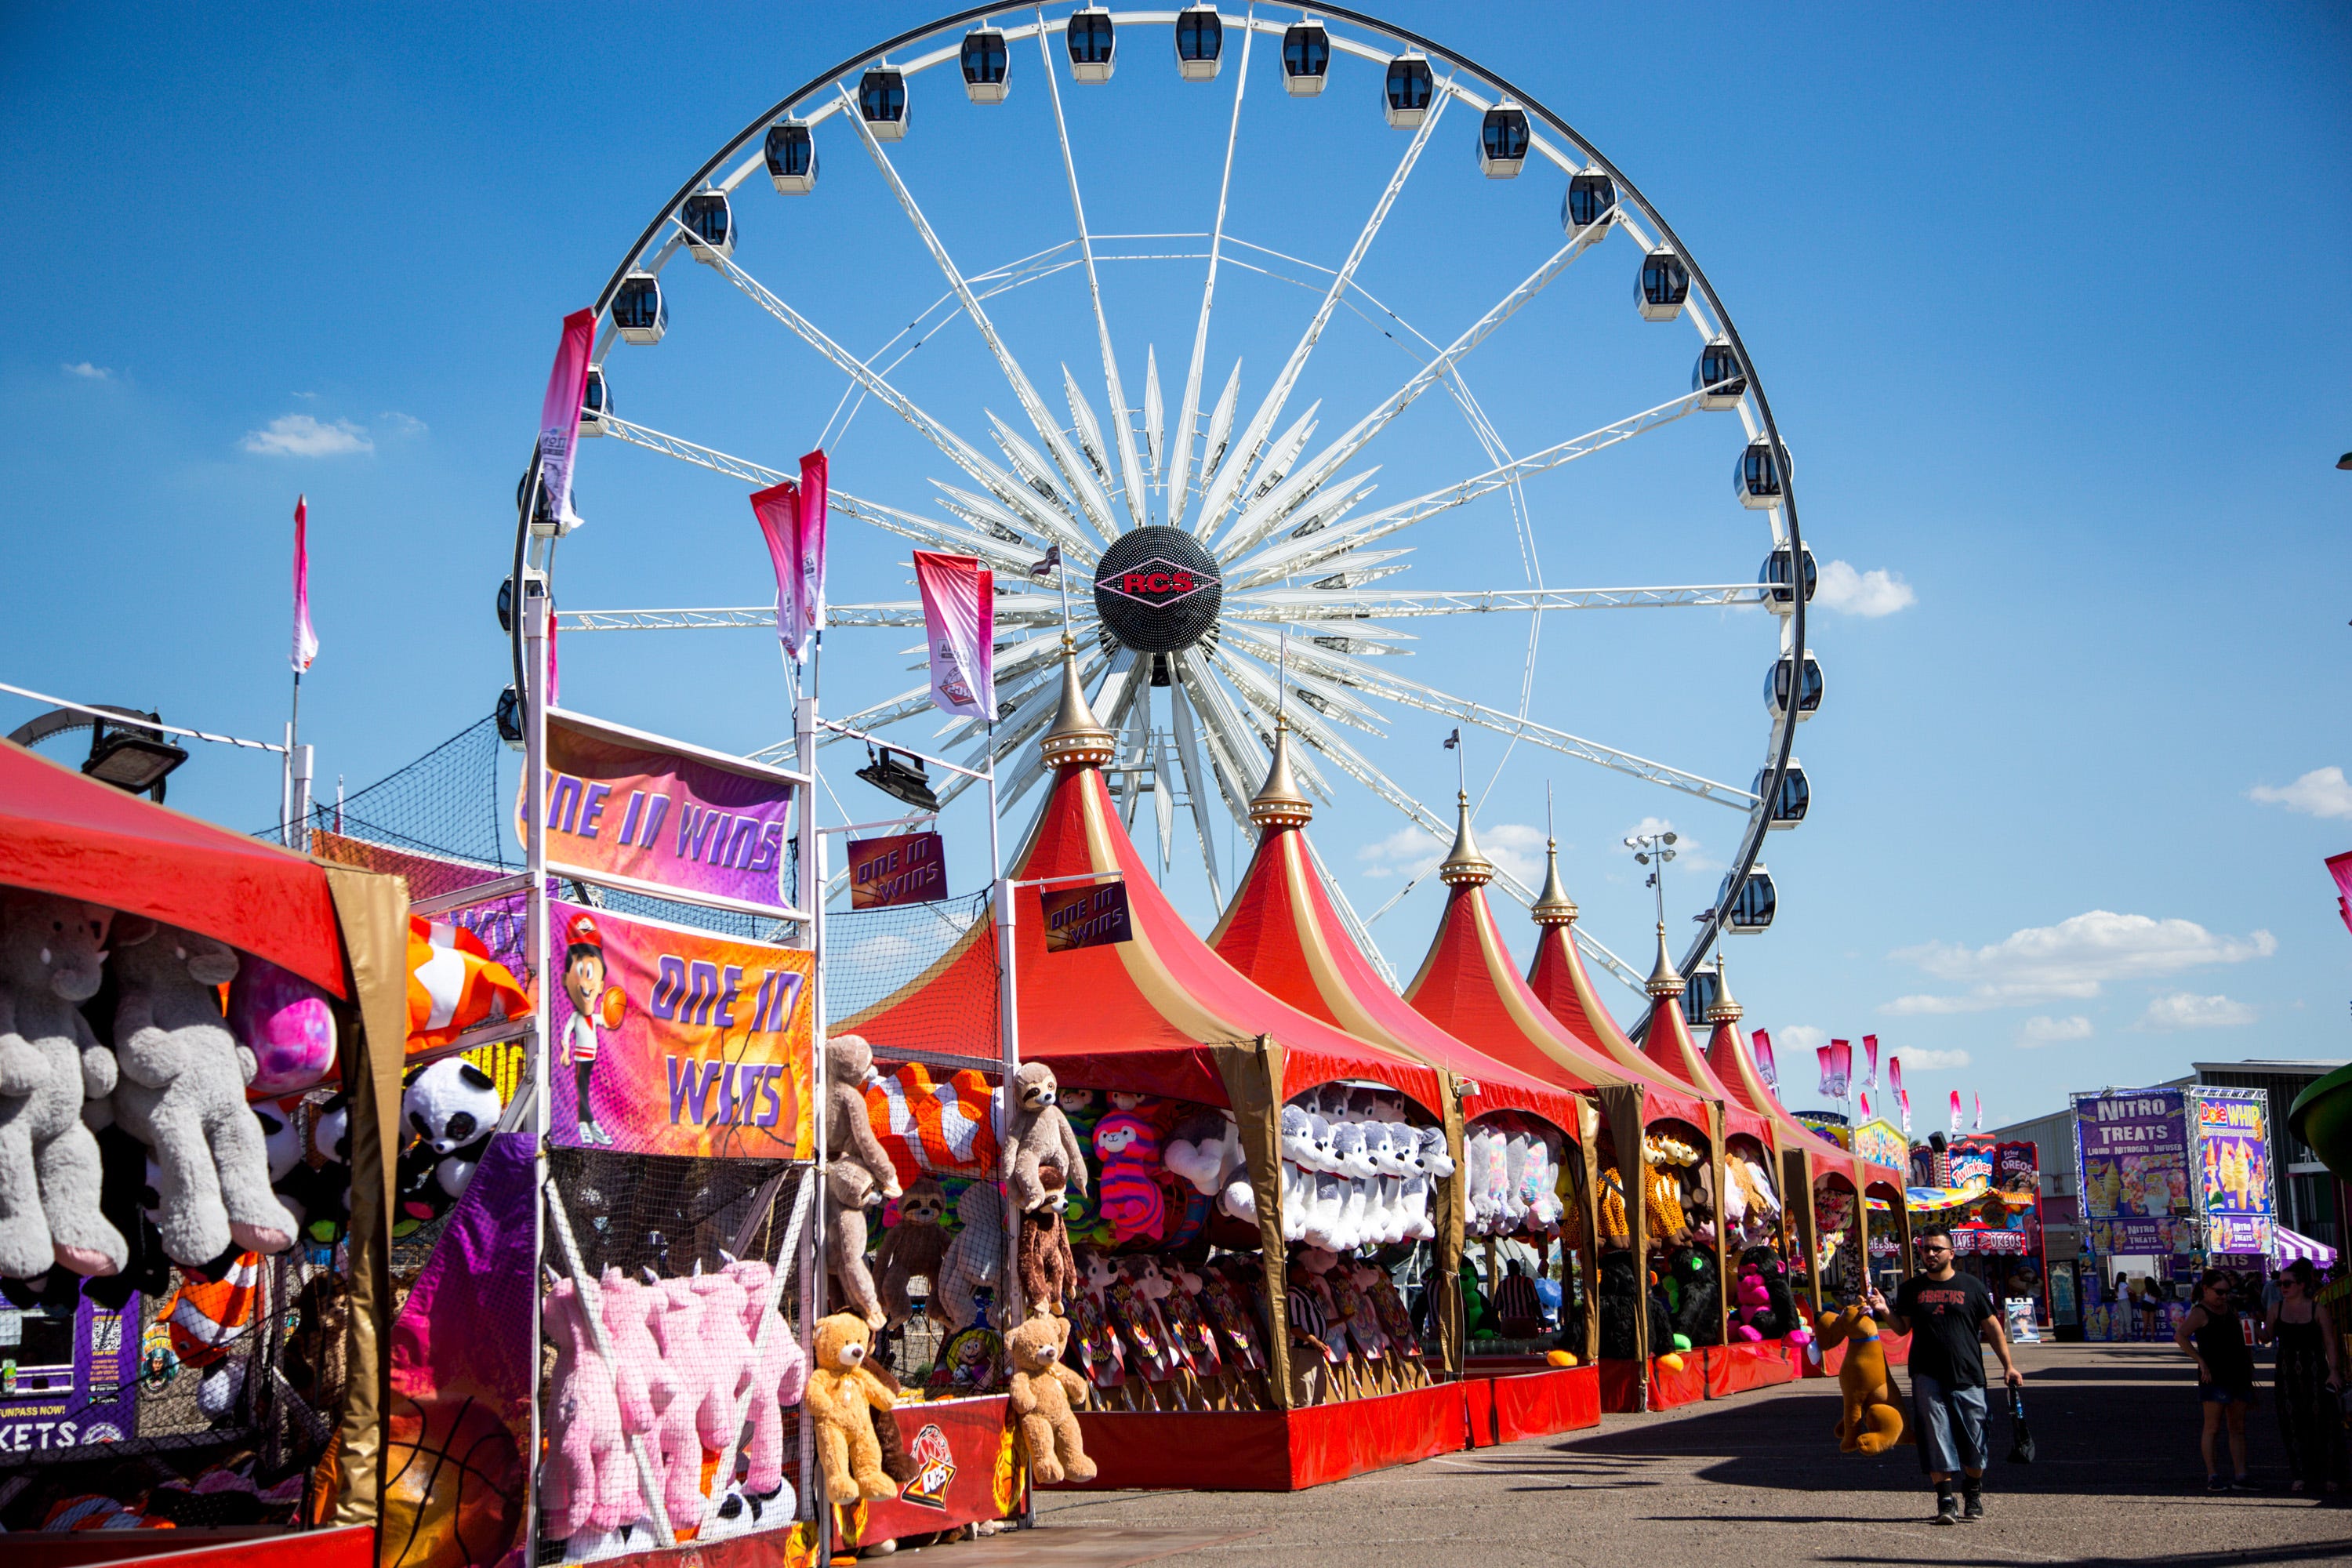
[[2048, 305]]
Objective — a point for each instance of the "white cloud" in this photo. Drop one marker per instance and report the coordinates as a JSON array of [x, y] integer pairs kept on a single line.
[[1804, 1038], [2177, 1010], [1408, 849], [1870, 594], [2071, 960], [2043, 1030], [87, 372], [1517, 849], [299, 436], [401, 424], [1924, 1060], [2322, 792], [1690, 855]]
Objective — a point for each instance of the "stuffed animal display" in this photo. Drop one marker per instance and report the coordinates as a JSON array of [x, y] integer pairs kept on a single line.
[[914, 1244], [1043, 1394], [51, 1068], [1515, 1176], [974, 1260], [1352, 1178], [1871, 1421], [857, 1170], [448, 1111]]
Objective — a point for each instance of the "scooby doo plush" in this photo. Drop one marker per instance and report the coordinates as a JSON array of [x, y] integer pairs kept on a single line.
[[1871, 1422]]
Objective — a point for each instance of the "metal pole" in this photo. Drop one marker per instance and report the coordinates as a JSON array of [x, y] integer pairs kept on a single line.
[[811, 896], [303, 762], [1008, 1011], [534, 619]]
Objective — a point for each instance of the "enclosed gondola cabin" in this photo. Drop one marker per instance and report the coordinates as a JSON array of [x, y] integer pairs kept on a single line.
[[1092, 44], [1503, 140], [1793, 799], [1663, 286], [1808, 687], [1410, 87], [792, 158], [595, 403], [1591, 198], [882, 102], [1759, 478], [1700, 992], [1750, 910], [986, 63], [1779, 577], [1306, 58], [709, 224], [542, 516], [1716, 377], [639, 313], [1200, 42]]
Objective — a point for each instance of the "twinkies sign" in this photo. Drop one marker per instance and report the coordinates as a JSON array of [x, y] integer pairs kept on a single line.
[[655, 815], [708, 1050]]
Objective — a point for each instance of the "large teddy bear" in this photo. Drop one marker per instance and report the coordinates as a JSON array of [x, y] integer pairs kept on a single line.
[[182, 1094], [1039, 1136], [843, 1395], [1871, 1422], [1043, 1393], [857, 1168], [51, 1069]]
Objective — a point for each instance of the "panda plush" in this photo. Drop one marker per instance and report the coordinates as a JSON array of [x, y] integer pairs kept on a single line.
[[449, 1109]]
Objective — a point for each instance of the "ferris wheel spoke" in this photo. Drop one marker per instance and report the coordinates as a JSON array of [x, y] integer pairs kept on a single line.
[[1227, 738], [1179, 470], [1264, 516], [930, 532], [1296, 555], [1051, 523], [1299, 676], [1131, 471], [1231, 473], [1275, 606], [1197, 784], [1010, 741], [1347, 916], [1048, 429]]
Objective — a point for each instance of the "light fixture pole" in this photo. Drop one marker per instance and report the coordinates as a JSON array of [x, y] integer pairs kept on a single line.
[[1654, 850]]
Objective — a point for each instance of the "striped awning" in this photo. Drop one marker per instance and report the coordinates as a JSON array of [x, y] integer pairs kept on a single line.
[[2292, 1246]]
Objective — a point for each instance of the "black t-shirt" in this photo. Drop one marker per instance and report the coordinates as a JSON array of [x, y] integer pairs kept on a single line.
[[1945, 1315]]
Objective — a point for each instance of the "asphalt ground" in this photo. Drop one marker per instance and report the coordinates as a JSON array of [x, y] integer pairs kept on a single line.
[[1753, 1480]]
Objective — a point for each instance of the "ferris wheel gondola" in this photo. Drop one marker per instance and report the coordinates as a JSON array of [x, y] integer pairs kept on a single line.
[[1224, 525]]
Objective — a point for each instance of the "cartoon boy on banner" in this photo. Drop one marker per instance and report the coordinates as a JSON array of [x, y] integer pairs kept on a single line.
[[591, 1001]]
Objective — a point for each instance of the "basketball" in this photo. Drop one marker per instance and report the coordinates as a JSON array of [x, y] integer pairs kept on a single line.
[[612, 1007], [453, 1486]]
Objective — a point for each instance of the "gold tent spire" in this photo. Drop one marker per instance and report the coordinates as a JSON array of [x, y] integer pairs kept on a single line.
[[1555, 908], [1726, 1008], [1664, 981], [1466, 863], [1076, 738], [1279, 802]]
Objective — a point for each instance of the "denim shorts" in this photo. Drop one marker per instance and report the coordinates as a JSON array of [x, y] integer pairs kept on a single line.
[[1951, 1423], [2222, 1394]]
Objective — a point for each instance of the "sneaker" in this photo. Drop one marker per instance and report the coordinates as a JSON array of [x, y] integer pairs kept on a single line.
[[1947, 1511], [2215, 1484], [2247, 1484], [1972, 1506]]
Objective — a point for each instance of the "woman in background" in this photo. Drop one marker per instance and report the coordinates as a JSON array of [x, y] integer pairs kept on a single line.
[[2309, 1380]]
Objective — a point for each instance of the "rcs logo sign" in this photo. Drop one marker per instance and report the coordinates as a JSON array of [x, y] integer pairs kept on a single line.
[[1157, 583]]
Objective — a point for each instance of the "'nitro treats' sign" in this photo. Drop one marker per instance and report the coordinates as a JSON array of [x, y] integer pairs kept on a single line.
[[638, 811]]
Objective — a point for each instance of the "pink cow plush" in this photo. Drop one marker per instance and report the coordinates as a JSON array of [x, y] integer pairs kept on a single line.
[[635, 1357], [727, 1346], [595, 1486], [779, 1377]]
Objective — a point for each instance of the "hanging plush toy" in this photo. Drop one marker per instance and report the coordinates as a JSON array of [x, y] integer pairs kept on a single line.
[[287, 1023], [675, 1320], [1041, 1394], [779, 1374], [843, 1395], [1130, 1198], [590, 1483], [1097, 1351], [1047, 1271], [51, 1066], [914, 1244], [1040, 1139], [181, 1093], [448, 1111], [1871, 1422], [975, 1259]]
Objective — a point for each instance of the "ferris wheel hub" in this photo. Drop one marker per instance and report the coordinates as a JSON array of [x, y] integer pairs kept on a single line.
[[1157, 589]]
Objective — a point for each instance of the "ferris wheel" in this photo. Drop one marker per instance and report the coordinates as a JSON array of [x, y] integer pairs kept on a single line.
[[1208, 517]]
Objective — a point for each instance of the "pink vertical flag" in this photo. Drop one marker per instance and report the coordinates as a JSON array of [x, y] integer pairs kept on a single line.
[[1894, 1074], [1761, 1042], [1841, 1065], [1977, 1124], [1903, 1097], [2340, 868], [792, 519], [1870, 1061], [306, 641], [1955, 1114], [959, 623], [1866, 1105], [559, 415]]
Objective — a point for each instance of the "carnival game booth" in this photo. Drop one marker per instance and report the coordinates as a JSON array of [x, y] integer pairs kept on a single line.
[[1652, 1133], [1217, 1119], [196, 1300], [1527, 1173]]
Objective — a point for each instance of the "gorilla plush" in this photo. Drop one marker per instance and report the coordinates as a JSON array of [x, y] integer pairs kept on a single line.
[[1697, 1295]]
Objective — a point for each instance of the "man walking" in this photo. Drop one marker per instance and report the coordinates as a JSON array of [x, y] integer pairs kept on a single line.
[[1946, 1313]]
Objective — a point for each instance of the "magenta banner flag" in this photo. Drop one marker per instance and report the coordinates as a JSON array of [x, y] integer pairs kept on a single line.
[[2340, 868], [792, 519], [1866, 1105], [559, 414], [1977, 1124], [1902, 1098], [1894, 1074], [1870, 1061], [1837, 1068], [1761, 1042], [1956, 1111], [306, 641], [959, 622]]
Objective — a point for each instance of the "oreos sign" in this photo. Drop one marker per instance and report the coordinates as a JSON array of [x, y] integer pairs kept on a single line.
[[1158, 590]]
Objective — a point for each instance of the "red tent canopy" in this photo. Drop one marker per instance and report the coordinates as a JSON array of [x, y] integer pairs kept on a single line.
[[1138, 1014], [63, 833], [1737, 1071], [1283, 932], [1669, 1046], [1469, 986]]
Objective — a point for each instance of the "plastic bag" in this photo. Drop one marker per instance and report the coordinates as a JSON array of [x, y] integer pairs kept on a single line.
[[2020, 1439]]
